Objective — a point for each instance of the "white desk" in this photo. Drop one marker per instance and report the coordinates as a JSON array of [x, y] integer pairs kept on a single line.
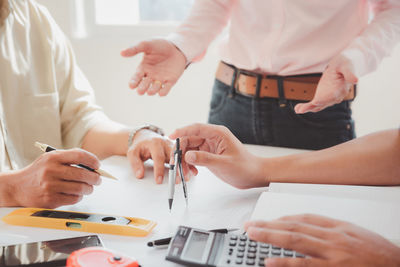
[[212, 204]]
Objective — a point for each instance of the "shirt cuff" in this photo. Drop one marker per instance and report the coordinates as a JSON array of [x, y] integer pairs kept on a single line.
[[186, 47]]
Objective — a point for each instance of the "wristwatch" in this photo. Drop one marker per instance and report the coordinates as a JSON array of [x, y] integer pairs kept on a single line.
[[150, 127]]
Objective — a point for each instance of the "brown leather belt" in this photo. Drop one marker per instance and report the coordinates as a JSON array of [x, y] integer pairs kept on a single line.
[[301, 87]]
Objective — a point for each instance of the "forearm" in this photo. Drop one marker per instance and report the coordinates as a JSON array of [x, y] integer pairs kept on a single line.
[[376, 41], [107, 139], [369, 160], [7, 189]]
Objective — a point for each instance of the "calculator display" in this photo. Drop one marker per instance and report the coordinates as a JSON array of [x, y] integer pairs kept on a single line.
[[197, 244]]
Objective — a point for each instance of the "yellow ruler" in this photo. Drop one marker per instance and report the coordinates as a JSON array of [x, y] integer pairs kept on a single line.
[[78, 221]]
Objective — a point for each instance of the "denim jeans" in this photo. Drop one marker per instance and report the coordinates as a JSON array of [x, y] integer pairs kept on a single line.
[[263, 121]]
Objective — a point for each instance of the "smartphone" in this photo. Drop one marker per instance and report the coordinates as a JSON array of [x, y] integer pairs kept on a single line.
[[45, 253]]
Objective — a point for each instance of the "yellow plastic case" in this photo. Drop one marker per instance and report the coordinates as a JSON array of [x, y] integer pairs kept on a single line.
[[79, 221]]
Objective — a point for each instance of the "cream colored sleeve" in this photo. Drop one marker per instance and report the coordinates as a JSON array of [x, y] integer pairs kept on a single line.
[[78, 110]]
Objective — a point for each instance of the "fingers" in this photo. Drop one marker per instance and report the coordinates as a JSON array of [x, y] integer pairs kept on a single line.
[[74, 156], [202, 158], [300, 242], [77, 174], [294, 262], [143, 85], [142, 47], [200, 130], [165, 88], [308, 107], [136, 79], [154, 87], [313, 219], [293, 225], [64, 199], [72, 188], [136, 163], [158, 156]]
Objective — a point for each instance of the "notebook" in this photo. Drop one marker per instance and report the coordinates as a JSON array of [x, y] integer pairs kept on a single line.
[[374, 208]]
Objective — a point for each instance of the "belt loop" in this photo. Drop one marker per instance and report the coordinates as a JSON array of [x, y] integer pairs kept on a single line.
[[281, 92], [236, 73], [258, 85]]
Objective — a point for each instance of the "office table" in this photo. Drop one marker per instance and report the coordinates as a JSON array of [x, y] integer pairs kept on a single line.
[[212, 204]]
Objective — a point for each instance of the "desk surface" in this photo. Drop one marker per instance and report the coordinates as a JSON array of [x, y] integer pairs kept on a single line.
[[212, 204]]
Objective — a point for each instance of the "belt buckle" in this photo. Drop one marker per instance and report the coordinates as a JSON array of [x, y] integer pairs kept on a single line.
[[236, 86]]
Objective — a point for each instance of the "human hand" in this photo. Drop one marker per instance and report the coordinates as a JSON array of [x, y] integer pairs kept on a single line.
[[149, 145], [216, 148], [50, 181], [162, 65], [326, 241], [333, 86]]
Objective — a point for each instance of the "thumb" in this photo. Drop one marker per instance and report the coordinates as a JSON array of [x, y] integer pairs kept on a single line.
[[349, 76], [201, 158], [141, 47]]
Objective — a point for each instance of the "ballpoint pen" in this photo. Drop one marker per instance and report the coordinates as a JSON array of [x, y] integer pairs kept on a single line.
[[167, 240], [47, 148]]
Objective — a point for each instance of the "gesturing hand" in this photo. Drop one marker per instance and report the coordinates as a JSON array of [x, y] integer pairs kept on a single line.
[[333, 87], [216, 148], [162, 65], [50, 181], [326, 241]]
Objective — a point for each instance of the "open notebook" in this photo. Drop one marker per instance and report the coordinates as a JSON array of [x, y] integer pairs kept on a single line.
[[374, 208]]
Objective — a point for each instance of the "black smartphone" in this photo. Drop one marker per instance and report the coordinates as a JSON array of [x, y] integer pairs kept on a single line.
[[45, 253]]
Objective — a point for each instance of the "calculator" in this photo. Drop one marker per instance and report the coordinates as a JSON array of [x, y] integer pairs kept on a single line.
[[195, 247]]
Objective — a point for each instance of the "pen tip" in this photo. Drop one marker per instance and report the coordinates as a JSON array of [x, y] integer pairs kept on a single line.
[[149, 244], [170, 204]]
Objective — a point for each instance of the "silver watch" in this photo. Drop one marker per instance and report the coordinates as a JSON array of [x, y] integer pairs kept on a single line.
[[146, 127]]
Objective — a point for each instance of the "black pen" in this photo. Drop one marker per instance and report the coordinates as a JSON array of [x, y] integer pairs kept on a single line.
[[47, 148], [167, 240]]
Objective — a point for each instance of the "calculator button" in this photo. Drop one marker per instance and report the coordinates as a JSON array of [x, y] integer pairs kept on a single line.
[[239, 261], [234, 237], [253, 244], [288, 253], [242, 243], [261, 263], [250, 249], [228, 261], [275, 247], [240, 254], [251, 255], [276, 252], [232, 243], [299, 255], [264, 250], [230, 253], [261, 257], [241, 249], [263, 245], [243, 238], [250, 261]]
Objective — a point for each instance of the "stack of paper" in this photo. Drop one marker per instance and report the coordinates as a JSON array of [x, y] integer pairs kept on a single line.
[[374, 208]]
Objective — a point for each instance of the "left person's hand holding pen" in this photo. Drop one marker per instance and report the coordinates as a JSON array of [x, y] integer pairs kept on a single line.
[[50, 181]]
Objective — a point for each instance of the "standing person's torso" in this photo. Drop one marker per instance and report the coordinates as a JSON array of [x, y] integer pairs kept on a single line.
[[288, 37]]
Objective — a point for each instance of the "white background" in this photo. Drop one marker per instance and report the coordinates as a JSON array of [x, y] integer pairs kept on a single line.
[[375, 108]]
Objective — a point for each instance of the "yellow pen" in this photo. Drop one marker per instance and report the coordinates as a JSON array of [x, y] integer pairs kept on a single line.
[[47, 148]]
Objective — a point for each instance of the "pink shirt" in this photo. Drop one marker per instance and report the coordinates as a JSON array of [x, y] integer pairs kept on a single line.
[[293, 36]]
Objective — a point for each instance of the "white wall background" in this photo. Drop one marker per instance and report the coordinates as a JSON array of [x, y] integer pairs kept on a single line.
[[375, 108]]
